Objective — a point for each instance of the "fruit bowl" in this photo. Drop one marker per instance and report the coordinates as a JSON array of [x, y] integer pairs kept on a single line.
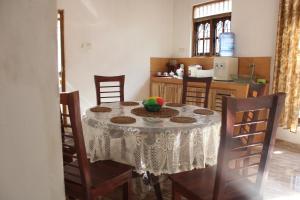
[[153, 104]]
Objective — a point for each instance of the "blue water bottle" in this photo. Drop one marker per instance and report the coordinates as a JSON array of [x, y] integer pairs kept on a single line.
[[227, 44]]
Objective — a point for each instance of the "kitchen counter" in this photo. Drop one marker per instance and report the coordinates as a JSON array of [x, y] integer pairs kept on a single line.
[[171, 90], [241, 88]]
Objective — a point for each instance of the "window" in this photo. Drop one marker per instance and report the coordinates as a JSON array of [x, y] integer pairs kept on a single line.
[[209, 21]]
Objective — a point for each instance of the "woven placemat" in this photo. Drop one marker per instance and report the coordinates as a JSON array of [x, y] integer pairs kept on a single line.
[[129, 103], [163, 113], [123, 120], [100, 109], [203, 112], [176, 105], [183, 119]]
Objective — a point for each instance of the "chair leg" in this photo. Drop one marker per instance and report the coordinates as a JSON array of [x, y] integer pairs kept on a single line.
[[154, 181], [157, 191], [175, 194], [127, 190]]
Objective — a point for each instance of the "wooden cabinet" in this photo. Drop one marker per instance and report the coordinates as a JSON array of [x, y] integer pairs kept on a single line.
[[157, 89], [171, 91]]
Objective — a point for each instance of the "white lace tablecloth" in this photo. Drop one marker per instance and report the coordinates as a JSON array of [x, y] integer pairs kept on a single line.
[[160, 147]]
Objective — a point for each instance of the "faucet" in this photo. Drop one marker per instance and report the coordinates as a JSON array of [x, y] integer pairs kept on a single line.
[[252, 68]]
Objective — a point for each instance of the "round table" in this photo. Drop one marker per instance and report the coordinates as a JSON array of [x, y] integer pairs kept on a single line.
[[158, 146]]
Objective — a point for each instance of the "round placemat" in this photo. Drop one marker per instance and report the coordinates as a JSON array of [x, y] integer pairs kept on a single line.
[[123, 120], [163, 113], [129, 103], [100, 109], [203, 112], [183, 119], [176, 105]]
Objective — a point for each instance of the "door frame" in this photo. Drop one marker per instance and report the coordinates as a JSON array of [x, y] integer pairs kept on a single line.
[[61, 18]]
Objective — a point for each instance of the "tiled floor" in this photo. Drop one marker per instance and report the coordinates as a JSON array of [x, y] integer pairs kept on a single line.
[[283, 181], [284, 176]]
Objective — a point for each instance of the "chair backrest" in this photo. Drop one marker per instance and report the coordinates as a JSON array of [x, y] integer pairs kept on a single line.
[[107, 90], [72, 138], [231, 177], [193, 93]]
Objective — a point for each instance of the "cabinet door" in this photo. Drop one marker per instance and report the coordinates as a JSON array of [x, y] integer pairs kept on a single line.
[[173, 93], [157, 89]]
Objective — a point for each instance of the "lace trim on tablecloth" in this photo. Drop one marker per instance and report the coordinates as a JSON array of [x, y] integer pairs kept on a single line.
[[159, 151]]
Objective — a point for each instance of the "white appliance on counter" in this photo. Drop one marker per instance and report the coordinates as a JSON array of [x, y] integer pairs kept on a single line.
[[224, 68], [192, 70], [197, 71]]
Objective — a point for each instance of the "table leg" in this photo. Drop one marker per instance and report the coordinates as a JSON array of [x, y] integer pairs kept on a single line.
[[154, 181]]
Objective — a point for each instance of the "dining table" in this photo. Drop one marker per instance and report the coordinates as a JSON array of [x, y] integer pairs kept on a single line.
[[155, 144]]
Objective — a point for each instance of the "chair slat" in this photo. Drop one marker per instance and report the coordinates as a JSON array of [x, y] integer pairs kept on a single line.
[[110, 86], [190, 101], [110, 97], [67, 125], [197, 97], [249, 134], [195, 87], [240, 178], [245, 167], [247, 146], [71, 165], [196, 92], [251, 122], [223, 94], [69, 155], [67, 145], [109, 91], [72, 174], [245, 156], [68, 136]]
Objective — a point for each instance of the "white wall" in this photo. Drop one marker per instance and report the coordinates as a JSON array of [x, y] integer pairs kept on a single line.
[[253, 21], [114, 37], [30, 146], [285, 134], [255, 25]]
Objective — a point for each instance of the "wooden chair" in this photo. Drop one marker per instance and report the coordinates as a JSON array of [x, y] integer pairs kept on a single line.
[[111, 92], [195, 94], [85, 180], [225, 181]]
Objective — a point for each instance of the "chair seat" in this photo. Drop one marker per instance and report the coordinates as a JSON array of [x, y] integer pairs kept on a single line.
[[101, 172], [199, 184]]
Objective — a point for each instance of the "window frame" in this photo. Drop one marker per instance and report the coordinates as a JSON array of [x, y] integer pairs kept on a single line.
[[213, 20]]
